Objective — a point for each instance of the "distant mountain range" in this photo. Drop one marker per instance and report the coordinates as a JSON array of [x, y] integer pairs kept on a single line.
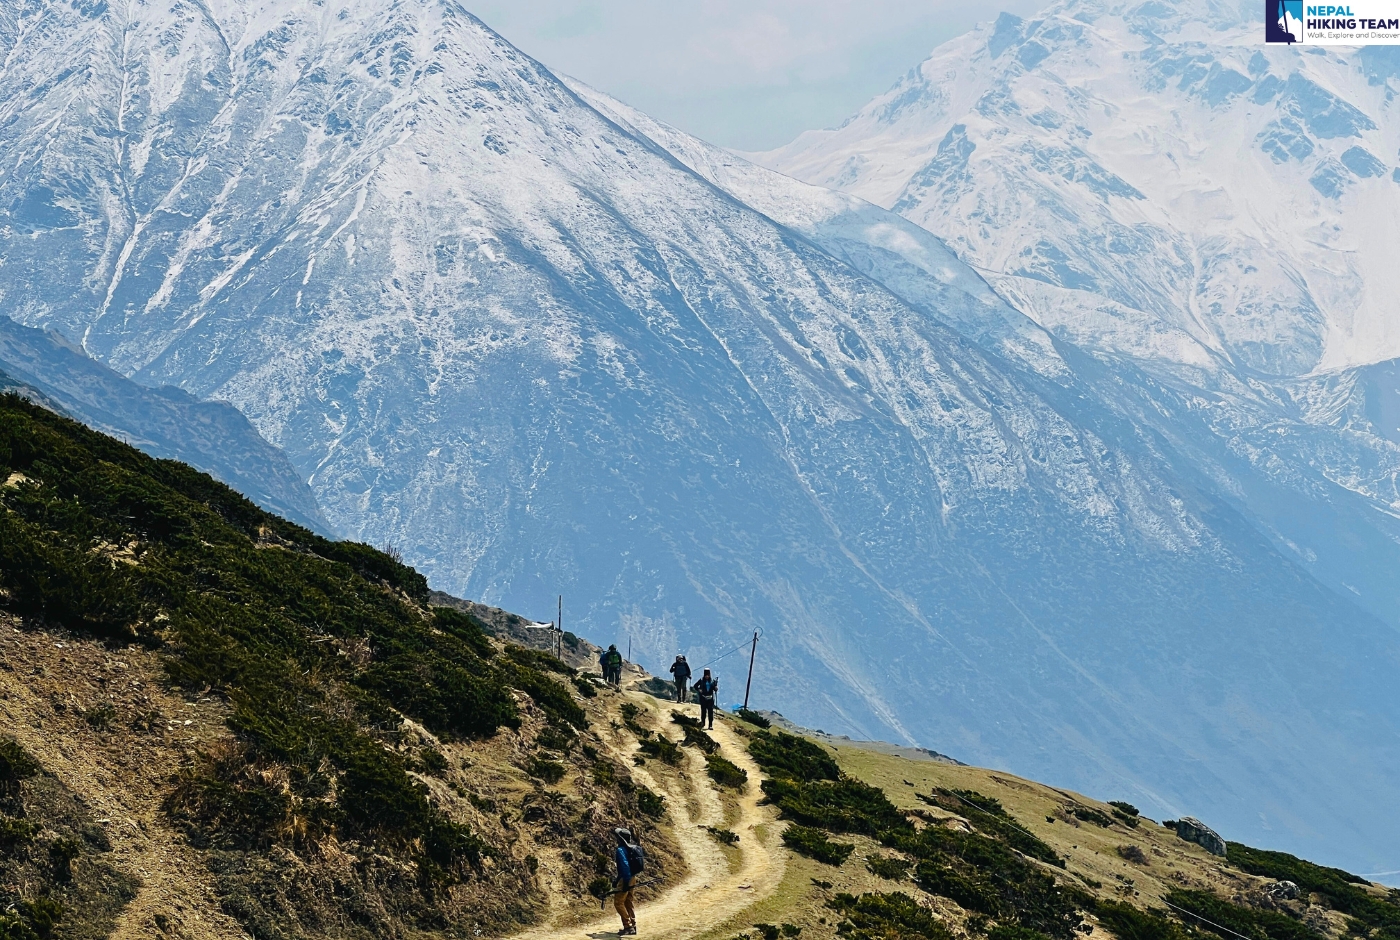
[[164, 422], [543, 344]]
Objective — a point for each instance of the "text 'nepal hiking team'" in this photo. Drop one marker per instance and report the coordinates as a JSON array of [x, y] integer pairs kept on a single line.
[[629, 857]]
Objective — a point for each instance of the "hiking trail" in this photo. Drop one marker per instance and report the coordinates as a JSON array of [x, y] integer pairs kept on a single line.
[[710, 893]]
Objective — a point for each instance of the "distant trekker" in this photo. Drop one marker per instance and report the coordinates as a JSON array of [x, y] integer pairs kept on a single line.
[[705, 691], [681, 670], [631, 862], [611, 661]]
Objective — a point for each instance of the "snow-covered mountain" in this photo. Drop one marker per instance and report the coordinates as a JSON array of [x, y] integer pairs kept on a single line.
[[164, 422], [1150, 178], [543, 344]]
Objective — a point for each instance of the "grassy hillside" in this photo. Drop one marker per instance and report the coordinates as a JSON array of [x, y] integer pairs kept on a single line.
[[214, 723], [889, 847], [330, 754]]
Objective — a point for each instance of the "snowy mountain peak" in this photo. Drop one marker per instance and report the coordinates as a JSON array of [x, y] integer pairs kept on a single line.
[[1148, 178]]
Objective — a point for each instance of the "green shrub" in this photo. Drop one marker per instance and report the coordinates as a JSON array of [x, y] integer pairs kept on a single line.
[[600, 887], [100, 717], [1129, 923], [888, 867], [30, 919], [540, 661], [15, 832], [894, 916], [556, 739], [1342, 890], [987, 876], [1220, 917], [987, 815], [662, 749], [725, 772], [767, 931], [585, 687], [432, 761], [547, 770], [723, 836], [684, 720], [813, 843], [15, 765], [694, 737], [650, 804], [754, 718], [1127, 809], [1089, 814], [784, 755], [1015, 932], [843, 805]]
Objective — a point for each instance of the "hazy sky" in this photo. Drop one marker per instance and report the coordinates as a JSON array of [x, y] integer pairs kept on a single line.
[[747, 74]]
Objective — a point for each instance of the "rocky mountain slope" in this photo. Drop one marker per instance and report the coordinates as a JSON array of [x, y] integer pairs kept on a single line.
[[1211, 218], [498, 324], [164, 422]]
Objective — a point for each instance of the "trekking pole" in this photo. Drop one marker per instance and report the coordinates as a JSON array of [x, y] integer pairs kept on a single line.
[[753, 651], [603, 901]]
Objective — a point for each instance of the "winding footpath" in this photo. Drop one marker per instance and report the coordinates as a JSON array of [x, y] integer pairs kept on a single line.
[[713, 890]]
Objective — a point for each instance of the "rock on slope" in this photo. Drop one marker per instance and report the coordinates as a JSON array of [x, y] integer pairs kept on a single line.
[[540, 353], [164, 422]]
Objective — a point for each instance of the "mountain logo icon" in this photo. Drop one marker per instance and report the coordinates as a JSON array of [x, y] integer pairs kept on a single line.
[[1283, 21]]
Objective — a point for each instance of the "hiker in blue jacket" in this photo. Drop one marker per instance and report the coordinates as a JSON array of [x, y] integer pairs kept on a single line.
[[630, 859]]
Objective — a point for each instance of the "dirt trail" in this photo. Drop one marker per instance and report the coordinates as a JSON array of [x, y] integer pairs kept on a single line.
[[710, 893]]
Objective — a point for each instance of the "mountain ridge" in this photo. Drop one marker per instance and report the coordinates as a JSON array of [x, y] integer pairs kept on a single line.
[[542, 355]]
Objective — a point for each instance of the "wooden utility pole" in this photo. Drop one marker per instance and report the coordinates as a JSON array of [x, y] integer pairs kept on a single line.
[[753, 651], [559, 631]]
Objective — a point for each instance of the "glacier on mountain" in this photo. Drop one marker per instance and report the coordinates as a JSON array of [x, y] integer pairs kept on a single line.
[[543, 344]]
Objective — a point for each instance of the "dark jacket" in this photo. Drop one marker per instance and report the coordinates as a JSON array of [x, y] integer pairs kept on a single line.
[[706, 688], [681, 670]]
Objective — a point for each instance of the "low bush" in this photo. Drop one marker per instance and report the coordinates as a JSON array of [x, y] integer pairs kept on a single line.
[[1089, 814], [987, 876], [1130, 923], [888, 867], [844, 805], [694, 737], [687, 721], [723, 836], [725, 772], [1132, 853], [753, 718], [886, 917], [15, 765], [1220, 917], [987, 815], [547, 770], [32, 919], [1126, 809], [650, 804], [814, 844], [1342, 890], [785, 755], [662, 749]]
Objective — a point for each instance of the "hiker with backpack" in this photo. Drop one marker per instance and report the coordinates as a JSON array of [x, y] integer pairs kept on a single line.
[[681, 670], [705, 692], [611, 661], [631, 862]]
